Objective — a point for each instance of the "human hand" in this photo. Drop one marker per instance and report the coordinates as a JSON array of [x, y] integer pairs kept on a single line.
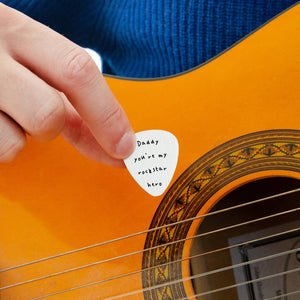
[[51, 86]]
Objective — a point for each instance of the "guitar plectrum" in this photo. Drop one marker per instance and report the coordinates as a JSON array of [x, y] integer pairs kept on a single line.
[[154, 160]]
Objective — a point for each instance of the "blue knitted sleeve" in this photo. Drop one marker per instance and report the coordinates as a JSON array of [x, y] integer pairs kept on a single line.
[[152, 38]]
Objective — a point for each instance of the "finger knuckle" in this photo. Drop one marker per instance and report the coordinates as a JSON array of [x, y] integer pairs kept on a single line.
[[78, 66], [111, 117], [10, 148], [49, 118]]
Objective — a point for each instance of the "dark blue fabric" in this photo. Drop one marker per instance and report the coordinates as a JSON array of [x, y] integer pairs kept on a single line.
[[152, 38]]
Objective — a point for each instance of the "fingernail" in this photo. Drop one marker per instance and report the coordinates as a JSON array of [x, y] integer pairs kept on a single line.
[[126, 145]]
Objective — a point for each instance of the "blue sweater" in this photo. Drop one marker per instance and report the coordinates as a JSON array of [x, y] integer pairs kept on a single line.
[[152, 38]]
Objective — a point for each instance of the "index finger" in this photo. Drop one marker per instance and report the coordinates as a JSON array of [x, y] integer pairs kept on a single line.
[[71, 70]]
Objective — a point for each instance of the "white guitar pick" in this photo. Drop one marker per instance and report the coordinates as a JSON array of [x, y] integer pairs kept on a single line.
[[154, 160]]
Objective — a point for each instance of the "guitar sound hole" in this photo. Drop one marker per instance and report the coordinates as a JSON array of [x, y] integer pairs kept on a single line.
[[283, 236]]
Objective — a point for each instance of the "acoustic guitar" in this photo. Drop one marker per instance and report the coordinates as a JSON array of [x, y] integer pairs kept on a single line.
[[226, 228]]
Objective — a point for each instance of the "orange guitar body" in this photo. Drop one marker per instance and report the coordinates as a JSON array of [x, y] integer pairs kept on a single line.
[[53, 200]]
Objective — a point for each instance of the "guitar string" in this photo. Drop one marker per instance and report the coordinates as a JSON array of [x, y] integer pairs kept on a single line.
[[198, 276], [238, 284], [283, 295], [150, 230], [175, 262], [205, 274], [149, 249]]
